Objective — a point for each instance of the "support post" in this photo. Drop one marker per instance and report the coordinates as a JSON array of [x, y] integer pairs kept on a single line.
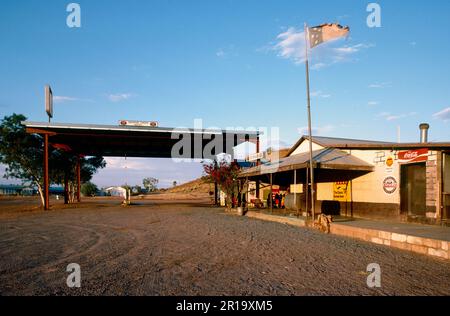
[[257, 189], [66, 188], [271, 195], [258, 162], [247, 198], [295, 189], [46, 179], [307, 193], [308, 99], [216, 194], [78, 180], [351, 198]]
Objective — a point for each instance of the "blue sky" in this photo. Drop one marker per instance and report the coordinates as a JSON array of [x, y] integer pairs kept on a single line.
[[230, 63]]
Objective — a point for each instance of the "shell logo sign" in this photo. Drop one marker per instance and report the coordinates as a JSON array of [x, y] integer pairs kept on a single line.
[[415, 155], [389, 161]]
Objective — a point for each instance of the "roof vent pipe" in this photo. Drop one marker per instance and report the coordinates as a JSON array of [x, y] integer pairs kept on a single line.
[[424, 132]]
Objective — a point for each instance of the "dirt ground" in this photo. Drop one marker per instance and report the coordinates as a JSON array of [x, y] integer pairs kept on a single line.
[[185, 247]]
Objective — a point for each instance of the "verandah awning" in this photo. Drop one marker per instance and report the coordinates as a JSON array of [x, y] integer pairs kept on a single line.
[[330, 165]]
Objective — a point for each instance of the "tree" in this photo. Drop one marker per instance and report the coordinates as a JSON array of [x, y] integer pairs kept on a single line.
[[225, 175], [21, 152], [150, 184], [174, 184], [63, 167], [23, 155], [89, 189], [136, 190]]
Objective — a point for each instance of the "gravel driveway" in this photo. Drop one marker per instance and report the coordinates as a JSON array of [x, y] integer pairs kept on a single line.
[[176, 248]]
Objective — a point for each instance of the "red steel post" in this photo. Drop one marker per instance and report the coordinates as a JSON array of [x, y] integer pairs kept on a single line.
[[46, 180], [78, 180]]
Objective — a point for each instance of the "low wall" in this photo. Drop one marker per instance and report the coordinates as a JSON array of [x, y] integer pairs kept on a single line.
[[278, 219], [426, 246], [387, 211]]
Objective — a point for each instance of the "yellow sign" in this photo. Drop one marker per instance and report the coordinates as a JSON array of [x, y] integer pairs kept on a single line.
[[342, 191], [296, 188], [389, 161]]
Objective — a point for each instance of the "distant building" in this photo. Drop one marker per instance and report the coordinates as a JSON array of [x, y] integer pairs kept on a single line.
[[11, 189], [56, 190], [116, 191]]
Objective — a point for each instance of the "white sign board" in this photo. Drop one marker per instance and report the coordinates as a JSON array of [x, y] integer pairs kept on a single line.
[[138, 123], [255, 156]]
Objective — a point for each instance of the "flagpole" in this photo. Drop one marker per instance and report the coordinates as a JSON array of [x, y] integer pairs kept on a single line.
[[308, 98]]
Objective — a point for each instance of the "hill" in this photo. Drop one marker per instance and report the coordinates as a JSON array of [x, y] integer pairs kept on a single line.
[[197, 186]]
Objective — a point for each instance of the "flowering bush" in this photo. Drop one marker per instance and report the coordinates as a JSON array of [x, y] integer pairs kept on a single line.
[[225, 175]]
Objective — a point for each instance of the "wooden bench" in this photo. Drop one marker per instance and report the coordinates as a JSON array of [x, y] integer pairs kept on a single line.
[[257, 203]]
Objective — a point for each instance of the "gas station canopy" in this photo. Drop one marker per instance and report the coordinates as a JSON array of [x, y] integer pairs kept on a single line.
[[140, 141]]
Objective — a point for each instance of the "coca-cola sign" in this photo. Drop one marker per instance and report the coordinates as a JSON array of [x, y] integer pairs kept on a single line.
[[415, 155]]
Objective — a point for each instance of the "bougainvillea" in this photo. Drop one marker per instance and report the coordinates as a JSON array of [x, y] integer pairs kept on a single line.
[[225, 175]]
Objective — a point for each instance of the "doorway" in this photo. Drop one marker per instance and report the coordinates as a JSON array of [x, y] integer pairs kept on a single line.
[[413, 189], [446, 187]]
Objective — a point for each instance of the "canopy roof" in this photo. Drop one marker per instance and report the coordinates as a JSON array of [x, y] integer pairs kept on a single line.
[[330, 163], [140, 141]]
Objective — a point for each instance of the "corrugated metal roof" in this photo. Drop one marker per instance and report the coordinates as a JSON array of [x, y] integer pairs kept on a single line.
[[330, 141], [348, 143], [134, 128], [327, 158]]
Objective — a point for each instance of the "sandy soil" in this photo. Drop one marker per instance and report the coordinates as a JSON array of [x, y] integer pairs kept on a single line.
[[158, 247]]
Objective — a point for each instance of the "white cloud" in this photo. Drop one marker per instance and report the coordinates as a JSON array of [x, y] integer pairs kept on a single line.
[[119, 163], [120, 97], [320, 94], [291, 45], [392, 117], [229, 51], [443, 115], [318, 131], [346, 50], [318, 66], [353, 49], [62, 99], [276, 144], [373, 103], [220, 53], [380, 85]]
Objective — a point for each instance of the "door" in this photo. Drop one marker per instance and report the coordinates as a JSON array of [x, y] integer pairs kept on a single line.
[[446, 187], [413, 189]]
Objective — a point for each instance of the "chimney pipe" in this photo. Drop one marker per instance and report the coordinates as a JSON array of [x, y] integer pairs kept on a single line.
[[424, 132]]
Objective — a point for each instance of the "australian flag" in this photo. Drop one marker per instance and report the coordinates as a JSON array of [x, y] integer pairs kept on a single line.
[[326, 32]]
